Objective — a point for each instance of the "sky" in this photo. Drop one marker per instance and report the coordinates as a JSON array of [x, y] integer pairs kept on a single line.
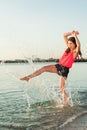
[[35, 28]]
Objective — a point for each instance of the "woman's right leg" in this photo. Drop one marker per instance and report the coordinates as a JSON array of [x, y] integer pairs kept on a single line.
[[49, 68], [62, 90]]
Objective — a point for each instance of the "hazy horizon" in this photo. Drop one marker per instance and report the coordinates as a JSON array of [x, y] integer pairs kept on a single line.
[[36, 27]]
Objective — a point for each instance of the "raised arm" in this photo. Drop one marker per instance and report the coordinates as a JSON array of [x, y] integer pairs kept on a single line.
[[66, 37], [77, 50], [67, 34]]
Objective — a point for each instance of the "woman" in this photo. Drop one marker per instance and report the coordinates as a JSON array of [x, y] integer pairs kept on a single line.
[[64, 64]]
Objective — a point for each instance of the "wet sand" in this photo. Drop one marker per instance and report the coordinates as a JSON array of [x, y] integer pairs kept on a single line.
[[79, 123]]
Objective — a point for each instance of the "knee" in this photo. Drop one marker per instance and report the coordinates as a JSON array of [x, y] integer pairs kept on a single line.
[[61, 89]]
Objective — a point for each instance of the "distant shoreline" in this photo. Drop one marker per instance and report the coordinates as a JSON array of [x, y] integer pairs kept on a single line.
[[37, 60]]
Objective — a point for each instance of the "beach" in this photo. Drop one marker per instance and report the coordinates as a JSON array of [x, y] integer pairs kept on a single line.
[[79, 123]]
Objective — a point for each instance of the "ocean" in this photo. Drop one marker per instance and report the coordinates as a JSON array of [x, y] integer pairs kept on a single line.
[[36, 105]]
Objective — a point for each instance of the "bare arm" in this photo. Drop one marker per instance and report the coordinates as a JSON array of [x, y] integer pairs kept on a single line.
[[68, 34], [77, 50], [78, 46], [66, 37]]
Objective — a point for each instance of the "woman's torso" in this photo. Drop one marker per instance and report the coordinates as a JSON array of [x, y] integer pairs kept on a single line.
[[67, 59]]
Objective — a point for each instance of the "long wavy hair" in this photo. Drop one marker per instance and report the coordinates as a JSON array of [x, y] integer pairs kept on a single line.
[[72, 39]]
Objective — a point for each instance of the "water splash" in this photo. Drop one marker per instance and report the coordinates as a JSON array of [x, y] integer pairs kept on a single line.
[[73, 94], [41, 83], [47, 90]]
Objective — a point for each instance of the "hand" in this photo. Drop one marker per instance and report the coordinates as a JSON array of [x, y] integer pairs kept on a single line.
[[74, 33], [25, 78]]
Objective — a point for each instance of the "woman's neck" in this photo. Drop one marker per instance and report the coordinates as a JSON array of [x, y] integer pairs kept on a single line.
[[71, 50]]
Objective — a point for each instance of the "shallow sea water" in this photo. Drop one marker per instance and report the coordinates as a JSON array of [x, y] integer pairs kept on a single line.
[[36, 105]]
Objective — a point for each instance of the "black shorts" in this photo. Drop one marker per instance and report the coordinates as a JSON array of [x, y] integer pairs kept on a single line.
[[62, 70]]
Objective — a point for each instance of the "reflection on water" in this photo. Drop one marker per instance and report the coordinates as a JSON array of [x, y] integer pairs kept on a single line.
[[37, 104]]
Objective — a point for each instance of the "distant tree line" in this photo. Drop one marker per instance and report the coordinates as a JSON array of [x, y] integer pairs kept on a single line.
[[38, 60]]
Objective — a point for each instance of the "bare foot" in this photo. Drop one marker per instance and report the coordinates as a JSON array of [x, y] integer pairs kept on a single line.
[[25, 78], [67, 103]]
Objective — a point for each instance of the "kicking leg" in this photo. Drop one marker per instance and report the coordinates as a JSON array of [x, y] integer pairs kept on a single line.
[[49, 68]]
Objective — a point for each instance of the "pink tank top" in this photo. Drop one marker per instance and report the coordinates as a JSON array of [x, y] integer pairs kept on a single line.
[[67, 59]]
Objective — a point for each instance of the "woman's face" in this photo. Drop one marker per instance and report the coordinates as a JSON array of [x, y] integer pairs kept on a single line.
[[71, 45]]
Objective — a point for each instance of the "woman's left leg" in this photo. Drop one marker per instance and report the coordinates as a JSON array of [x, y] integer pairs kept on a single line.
[[62, 89], [49, 68]]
